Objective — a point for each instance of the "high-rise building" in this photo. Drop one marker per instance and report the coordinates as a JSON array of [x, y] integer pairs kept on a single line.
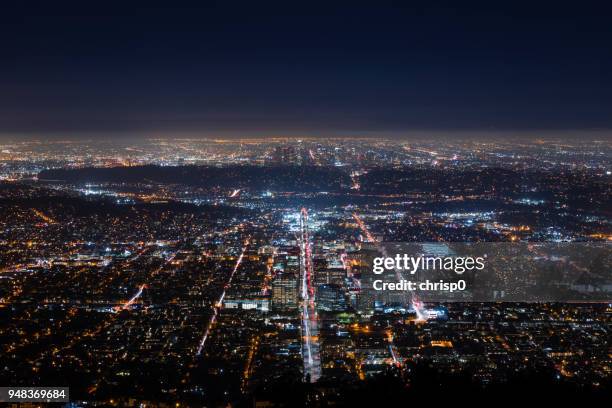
[[331, 298], [285, 291]]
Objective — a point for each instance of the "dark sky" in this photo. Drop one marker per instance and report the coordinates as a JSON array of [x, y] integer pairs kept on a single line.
[[297, 67]]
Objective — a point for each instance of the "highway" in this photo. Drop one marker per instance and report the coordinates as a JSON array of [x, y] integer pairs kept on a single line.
[[310, 322], [219, 302]]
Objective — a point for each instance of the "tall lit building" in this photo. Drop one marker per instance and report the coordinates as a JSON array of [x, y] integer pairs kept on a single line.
[[331, 298], [285, 291]]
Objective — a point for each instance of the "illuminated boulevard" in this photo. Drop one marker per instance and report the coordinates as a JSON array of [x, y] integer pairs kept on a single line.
[[310, 323], [219, 303]]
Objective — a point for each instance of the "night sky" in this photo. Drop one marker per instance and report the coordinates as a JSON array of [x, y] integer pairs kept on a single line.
[[284, 68]]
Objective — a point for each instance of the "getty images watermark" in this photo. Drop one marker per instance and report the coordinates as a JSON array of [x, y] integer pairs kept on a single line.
[[521, 272]]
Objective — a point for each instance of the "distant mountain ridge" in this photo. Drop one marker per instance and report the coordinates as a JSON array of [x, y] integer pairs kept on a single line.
[[279, 178]]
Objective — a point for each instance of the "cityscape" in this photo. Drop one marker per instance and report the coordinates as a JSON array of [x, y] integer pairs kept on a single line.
[[305, 204], [216, 272]]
